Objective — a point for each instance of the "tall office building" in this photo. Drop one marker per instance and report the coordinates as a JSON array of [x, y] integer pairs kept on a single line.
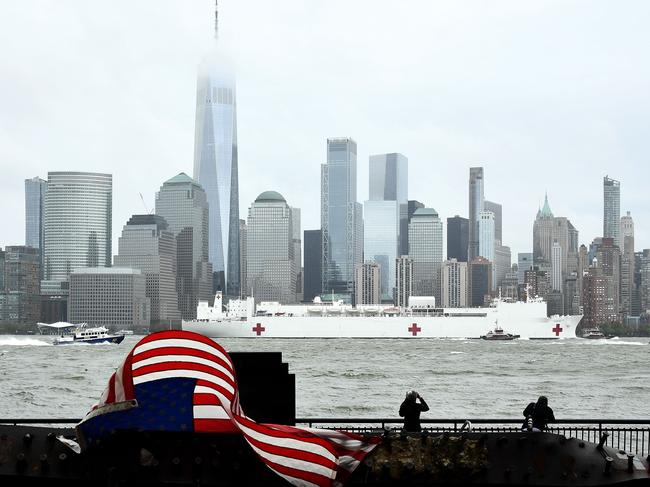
[[216, 164], [537, 282], [524, 263], [502, 264], [556, 267], [549, 229], [509, 287], [20, 301], [297, 251], [77, 226], [476, 206], [385, 234], [486, 235], [598, 305], [583, 267], [412, 206], [479, 272], [243, 260], [608, 259], [341, 218], [35, 189], [497, 209], [403, 281], [367, 283], [627, 232], [627, 266], [571, 296], [643, 283], [454, 284], [388, 176], [425, 249], [114, 297], [381, 240], [457, 238], [181, 201], [147, 244], [313, 261], [271, 271], [612, 210]]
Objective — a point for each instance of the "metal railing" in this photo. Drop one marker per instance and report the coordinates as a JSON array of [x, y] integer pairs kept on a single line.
[[630, 435]]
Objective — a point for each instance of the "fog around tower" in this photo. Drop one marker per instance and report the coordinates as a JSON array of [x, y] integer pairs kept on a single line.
[[546, 96]]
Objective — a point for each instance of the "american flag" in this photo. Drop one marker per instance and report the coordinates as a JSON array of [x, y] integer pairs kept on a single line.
[[183, 381]]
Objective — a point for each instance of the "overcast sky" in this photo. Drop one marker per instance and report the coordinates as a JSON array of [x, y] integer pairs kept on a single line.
[[546, 95]]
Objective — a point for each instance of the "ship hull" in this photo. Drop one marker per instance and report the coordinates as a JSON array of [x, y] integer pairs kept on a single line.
[[117, 339], [516, 318]]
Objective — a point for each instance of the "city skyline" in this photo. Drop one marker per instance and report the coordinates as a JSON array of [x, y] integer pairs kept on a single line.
[[149, 141]]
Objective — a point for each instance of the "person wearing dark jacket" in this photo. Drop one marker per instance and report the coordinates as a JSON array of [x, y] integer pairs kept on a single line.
[[410, 410], [538, 415]]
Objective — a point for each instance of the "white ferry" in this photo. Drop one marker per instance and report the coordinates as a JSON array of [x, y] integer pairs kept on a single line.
[[84, 334], [421, 319]]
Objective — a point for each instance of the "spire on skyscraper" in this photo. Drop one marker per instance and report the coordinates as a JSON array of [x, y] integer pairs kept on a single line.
[[217, 170], [546, 209], [216, 19]]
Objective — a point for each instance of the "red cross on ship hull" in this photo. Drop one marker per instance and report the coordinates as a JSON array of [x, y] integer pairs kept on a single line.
[[258, 329], [557, 330], [414, 329]]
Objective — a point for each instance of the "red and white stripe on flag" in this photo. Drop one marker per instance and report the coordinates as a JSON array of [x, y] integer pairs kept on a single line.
[[305, 457]]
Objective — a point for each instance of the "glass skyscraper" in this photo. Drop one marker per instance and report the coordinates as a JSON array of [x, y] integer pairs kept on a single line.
[[457, 238], [612, 210], [388, 177], [35, 190], [497, 209], [381, 241], [216, 168], [313, 262], [77, 225], [476, 201], [341, 218], [486, 235], [386, 216]]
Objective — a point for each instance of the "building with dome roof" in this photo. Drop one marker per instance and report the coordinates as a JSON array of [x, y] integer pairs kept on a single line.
[[270, 261], [182, 202]]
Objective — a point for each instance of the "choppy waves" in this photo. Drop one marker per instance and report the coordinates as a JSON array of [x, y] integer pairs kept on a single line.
[[22, 342]]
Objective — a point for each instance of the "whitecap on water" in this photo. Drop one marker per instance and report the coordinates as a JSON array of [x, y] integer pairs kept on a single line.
[[22, 342], [615, 341], [455, 353]]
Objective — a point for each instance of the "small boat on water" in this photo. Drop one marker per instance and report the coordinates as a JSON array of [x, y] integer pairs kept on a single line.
[[83, 334], [499, 334], [594, 334]]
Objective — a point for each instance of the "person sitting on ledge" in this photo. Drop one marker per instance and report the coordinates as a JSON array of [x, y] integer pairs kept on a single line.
[[538, 415], [410, 410]]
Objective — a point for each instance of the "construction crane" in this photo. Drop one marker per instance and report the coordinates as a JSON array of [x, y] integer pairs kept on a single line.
[[146, 208]]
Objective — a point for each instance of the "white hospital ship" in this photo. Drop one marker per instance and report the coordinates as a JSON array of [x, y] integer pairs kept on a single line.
[[421, 319]]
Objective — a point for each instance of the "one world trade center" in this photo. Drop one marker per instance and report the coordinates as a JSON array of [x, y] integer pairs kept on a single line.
[[215, 164]]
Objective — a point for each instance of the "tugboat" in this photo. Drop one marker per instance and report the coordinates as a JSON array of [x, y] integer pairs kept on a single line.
[[498, 334], [594, 334], [82, 334]]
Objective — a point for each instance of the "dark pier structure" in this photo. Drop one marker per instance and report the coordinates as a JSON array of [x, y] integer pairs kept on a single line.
[[452, 453]]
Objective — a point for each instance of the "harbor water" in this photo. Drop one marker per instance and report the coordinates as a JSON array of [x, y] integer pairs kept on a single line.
[[369, 377]]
